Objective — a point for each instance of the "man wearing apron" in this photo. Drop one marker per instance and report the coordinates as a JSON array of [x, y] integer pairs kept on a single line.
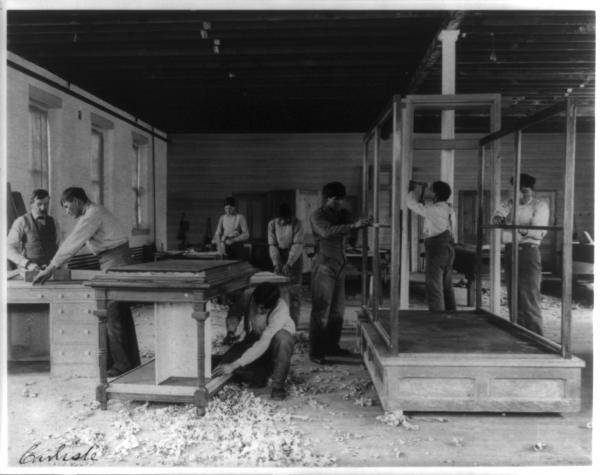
[[439, 244], [286, 243], [231, 232], [105, 237], [33, 237]]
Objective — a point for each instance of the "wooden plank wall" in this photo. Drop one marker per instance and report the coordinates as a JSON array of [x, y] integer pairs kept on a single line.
[[205, 168]]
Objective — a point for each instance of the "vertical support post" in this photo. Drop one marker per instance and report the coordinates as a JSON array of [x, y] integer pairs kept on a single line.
[[514, 278], [495, 186], [102, 313], [365, 232], [567, 246], [406, 160], [200, 314], [397, 192], [448, 39], [479, 223], [375, 260]]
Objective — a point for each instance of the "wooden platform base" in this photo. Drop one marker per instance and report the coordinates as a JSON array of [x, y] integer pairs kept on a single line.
[[468, 362], [140, 384]]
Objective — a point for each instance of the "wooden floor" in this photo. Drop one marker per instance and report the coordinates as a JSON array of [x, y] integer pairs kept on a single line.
[[459, 332]]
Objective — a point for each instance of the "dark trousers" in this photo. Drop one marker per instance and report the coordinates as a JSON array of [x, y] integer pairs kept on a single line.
[[529, 314], [123, 351], [328, 299], [274, 362], [295, 287], [235, 251], [439, 258]]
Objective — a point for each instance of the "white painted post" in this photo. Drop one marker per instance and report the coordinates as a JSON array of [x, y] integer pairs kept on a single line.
[[448, 39]]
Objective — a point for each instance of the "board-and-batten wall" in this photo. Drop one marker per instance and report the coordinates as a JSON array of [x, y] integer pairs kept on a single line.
[[205, 168]]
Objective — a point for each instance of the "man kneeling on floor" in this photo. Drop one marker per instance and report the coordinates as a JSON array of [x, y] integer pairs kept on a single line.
[[268, 344]]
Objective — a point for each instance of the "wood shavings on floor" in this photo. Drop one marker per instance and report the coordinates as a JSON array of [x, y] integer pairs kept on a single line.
[[239, 429]]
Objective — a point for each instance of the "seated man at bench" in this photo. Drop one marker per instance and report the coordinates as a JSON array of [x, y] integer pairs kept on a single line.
[[267, 341]]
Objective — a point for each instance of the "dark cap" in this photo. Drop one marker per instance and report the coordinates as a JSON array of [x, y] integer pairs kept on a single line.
[[525, 181], [229, 201]]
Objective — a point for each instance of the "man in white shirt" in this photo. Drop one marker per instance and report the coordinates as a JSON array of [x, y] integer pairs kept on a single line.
[[530, 212], [105, 237], [267, 341], [231, 232], [286, 243], [439, 244], [34, 237]]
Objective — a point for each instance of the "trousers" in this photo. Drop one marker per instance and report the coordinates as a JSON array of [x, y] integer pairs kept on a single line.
[[274, 362], [529, 295], [295, 287], [123, 350], [328, 302], [439, 259]]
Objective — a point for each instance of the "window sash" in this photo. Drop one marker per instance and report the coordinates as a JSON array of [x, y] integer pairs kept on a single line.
[[39, 159]]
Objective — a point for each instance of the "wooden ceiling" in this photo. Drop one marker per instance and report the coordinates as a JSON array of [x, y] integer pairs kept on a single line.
[[307, 71]]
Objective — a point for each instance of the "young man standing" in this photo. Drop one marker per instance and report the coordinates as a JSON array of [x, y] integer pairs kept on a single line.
[[285, 235], [332, 225], [231, 232], [439, 244], [267, 341], [105, 237], [33, 237], [530, 212]]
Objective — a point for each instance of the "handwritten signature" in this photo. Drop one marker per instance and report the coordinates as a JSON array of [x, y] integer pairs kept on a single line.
[[60, 454]]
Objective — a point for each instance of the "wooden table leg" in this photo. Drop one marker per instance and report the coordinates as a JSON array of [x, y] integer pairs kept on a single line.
[[200, 314], [102, 313]]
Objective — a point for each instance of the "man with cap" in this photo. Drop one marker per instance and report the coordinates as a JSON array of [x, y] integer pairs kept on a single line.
[[332, 225], [266, 331], [530, 212], [439, 233], [285, 235], [105, 237], [231, 232], [33, 237]]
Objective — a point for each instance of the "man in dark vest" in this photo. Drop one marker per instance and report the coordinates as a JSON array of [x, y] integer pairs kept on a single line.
[[33, 237]]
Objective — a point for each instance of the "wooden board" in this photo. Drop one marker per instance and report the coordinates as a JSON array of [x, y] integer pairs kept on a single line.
[[459, 332], [174, 273], [177, 342]]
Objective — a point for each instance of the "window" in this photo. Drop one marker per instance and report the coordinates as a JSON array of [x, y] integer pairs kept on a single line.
[[97, 166], [39, 159], [100, 154], [139, 181]]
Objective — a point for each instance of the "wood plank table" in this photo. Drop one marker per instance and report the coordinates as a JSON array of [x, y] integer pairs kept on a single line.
[[181, 291]]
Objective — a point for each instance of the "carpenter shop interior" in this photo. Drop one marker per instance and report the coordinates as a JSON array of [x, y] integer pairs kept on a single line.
[[298, 238]]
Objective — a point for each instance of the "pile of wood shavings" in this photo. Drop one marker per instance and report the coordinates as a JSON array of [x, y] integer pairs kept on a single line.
[[239, 429], [397, 418]]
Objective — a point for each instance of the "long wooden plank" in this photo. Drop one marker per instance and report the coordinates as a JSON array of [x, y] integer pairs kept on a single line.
[[567, 246], [445, 144]]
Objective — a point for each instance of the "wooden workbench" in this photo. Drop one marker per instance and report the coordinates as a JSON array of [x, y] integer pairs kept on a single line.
[[181, 291], [59, 324]]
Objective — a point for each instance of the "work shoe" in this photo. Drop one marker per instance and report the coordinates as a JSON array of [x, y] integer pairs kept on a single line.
[[278, 394], [318, 359], [114, 372], [339, 351]]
